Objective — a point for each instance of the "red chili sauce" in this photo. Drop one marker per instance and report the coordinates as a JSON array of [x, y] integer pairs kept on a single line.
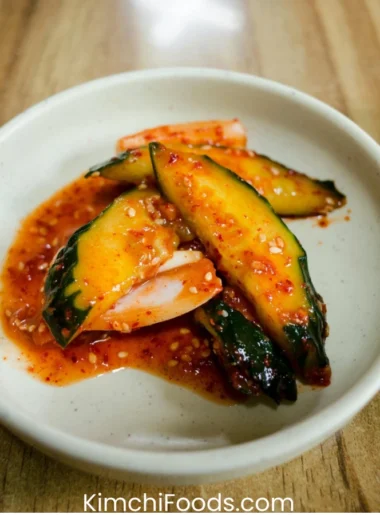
[[177, 350], [326, 220]]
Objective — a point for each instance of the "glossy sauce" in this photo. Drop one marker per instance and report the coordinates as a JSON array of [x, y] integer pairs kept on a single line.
[[176, 350]]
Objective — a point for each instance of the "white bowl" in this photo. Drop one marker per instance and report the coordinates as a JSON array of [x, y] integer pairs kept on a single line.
[[132, 425]]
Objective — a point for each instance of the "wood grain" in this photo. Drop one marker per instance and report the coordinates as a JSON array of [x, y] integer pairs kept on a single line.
[[328, 48]]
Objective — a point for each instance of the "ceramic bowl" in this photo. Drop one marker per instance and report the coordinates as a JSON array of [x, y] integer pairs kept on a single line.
[[135, 426]]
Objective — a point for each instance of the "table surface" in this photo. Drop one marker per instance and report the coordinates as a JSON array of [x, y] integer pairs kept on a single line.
[[328, 48]]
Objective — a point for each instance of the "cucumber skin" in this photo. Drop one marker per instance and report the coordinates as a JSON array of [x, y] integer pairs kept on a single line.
[[55, 309], [114, 161], [252, 363]]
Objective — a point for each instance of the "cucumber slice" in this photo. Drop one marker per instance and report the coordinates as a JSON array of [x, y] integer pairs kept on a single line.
[[102, 261], [251, 361], [290, 193], [254, 249]]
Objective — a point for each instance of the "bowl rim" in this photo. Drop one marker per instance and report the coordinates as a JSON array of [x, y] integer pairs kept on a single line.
[[298, 436]]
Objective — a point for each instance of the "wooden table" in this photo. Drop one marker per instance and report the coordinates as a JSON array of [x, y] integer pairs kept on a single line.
[[328, 48]]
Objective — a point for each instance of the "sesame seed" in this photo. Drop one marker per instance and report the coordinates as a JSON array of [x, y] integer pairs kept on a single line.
[[23, 327], [185, 357], [275, 171], [193, 289], [172, 363], [196, 343], [41, 327], [275, 250], [92, 358], [131, 212], [205, 354], [174, 346], [95, 174], [17, 322], [142, 186], [43, 231], [224, 313], [329, 200], [208, 276], [123, 354], [21, 265], [258, 266], [31, 328], [262, 237], [216, 345], [280, 242], [159, 221], [155, 261], [42, 266], [8, 313], [53, 221], [55, 242], [125, 327], [184, 331]]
